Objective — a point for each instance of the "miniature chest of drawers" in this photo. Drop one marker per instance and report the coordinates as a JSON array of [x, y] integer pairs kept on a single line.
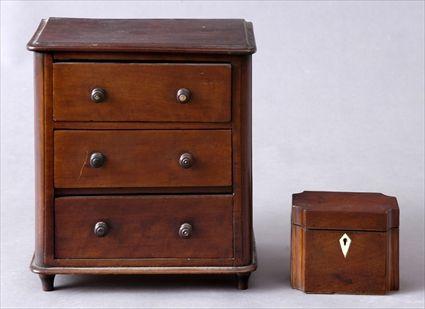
[[143, 147], [344, 242]]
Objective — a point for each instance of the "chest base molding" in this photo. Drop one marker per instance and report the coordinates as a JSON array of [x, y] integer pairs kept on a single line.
[[242, 273]]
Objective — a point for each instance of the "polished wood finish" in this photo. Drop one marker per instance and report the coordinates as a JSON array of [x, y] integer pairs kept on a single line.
[[141, 270], [43, 130], [144, 227], [41, 198], [326, 270], [217, 128], [47, 282], [145, 190], [320, 219], [243, 279], [142, 92], [328, 210], [213, 36], [127, 125], [143, 158]]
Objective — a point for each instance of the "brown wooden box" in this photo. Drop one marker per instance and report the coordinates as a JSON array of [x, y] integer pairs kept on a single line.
[[344, 243]]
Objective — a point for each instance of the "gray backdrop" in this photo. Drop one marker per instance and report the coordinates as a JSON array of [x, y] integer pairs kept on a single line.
[[338, 104]]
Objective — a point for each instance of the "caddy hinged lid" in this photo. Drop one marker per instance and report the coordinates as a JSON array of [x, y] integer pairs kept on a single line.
[[345, 211]]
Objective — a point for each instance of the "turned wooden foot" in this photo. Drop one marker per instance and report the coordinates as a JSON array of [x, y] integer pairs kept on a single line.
[[47, 282], [243, 280]]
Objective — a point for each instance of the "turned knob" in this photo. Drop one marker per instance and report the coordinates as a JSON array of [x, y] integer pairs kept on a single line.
[[97, 159], [185, 230], [98, 95], [183, 95], [186, 160], [101, 229]]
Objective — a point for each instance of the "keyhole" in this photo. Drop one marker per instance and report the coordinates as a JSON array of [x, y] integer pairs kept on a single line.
[[345, 241]]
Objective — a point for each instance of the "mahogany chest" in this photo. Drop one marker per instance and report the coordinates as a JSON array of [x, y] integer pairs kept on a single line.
[[143, 147], [344, 243]]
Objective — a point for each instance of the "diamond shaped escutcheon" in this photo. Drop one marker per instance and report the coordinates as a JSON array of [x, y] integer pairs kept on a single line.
[[345, 243]]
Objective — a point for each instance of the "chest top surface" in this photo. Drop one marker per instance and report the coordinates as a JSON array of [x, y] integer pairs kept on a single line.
[[345, 210], [221, 36]]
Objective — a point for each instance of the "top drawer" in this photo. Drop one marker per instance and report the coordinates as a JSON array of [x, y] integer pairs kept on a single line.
[[142, 92]]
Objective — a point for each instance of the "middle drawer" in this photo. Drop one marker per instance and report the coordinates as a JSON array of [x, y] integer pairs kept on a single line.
[[142, 158]]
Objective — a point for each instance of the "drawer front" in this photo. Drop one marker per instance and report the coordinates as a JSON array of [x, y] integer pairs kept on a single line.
[[198, 226], [362, 269], [142, 158], [141, 92]]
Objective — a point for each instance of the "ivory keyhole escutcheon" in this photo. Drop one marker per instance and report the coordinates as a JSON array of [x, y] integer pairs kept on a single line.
[[345, 243]]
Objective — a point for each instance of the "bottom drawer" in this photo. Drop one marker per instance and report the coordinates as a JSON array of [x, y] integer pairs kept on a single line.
[[112, 227]]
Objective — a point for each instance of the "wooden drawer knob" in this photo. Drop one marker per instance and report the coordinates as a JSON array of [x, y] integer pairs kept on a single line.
[[183, 95], [186, 160], [185, 230], [98, 95], [97, 159], [101, 229]]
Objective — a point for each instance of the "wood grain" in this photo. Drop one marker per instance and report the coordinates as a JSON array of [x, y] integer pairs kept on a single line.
[[147, 158], [362, 271], [228, 36], [144, 227], [393, 257], [242, 158], [39, 121], [220, 268], [142, 130], [146, 57], [371, 222], [345, 210], [297, 262], [132, 125], [142, 92], [44, 192], [150, 190]]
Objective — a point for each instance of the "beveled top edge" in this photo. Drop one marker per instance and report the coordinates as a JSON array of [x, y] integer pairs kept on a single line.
[[219, 36], [335, 199], [345, 210]]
